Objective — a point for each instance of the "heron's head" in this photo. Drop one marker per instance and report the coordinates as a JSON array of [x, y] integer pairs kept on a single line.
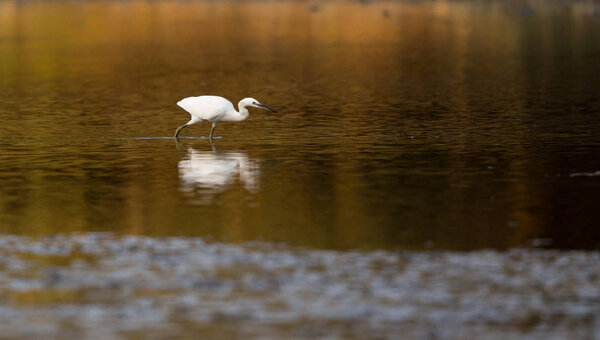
[[255, 103]]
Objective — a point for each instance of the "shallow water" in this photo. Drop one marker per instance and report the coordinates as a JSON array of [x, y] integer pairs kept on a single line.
[[404, 125]]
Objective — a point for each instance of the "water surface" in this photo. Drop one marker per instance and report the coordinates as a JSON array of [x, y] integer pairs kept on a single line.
[[414, 125]]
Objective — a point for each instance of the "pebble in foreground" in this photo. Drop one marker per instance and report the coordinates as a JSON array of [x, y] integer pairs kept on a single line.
[[216, 109]]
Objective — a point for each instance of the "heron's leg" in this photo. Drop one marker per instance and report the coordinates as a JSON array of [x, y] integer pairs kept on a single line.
[[179, 129], [214, 124]]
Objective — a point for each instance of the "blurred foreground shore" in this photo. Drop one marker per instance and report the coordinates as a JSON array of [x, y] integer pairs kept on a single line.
[[104, 286]]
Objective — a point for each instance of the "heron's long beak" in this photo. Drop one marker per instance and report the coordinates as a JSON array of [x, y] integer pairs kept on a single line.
[[266, 107]]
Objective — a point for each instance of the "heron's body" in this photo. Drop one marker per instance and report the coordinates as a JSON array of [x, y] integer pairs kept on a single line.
[[216, 109]]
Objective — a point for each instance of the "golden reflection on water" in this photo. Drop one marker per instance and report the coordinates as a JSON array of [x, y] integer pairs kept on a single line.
[[143, 21], [404, 124]]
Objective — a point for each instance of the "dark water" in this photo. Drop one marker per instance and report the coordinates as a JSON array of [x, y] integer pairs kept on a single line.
[[413, 125]]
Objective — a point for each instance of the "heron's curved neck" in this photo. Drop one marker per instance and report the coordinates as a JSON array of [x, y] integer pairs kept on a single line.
[[243, 112]]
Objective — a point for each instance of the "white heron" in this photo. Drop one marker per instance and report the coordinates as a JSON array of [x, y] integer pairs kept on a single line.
[[216, 109]]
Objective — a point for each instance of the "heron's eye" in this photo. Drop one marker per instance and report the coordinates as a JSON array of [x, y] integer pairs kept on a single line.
[[255, 103]]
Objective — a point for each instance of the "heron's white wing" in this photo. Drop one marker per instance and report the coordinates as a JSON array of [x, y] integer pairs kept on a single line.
[[206, 107]]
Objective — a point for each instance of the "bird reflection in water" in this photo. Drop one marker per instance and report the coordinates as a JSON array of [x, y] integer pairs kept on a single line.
[[204, 174]]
